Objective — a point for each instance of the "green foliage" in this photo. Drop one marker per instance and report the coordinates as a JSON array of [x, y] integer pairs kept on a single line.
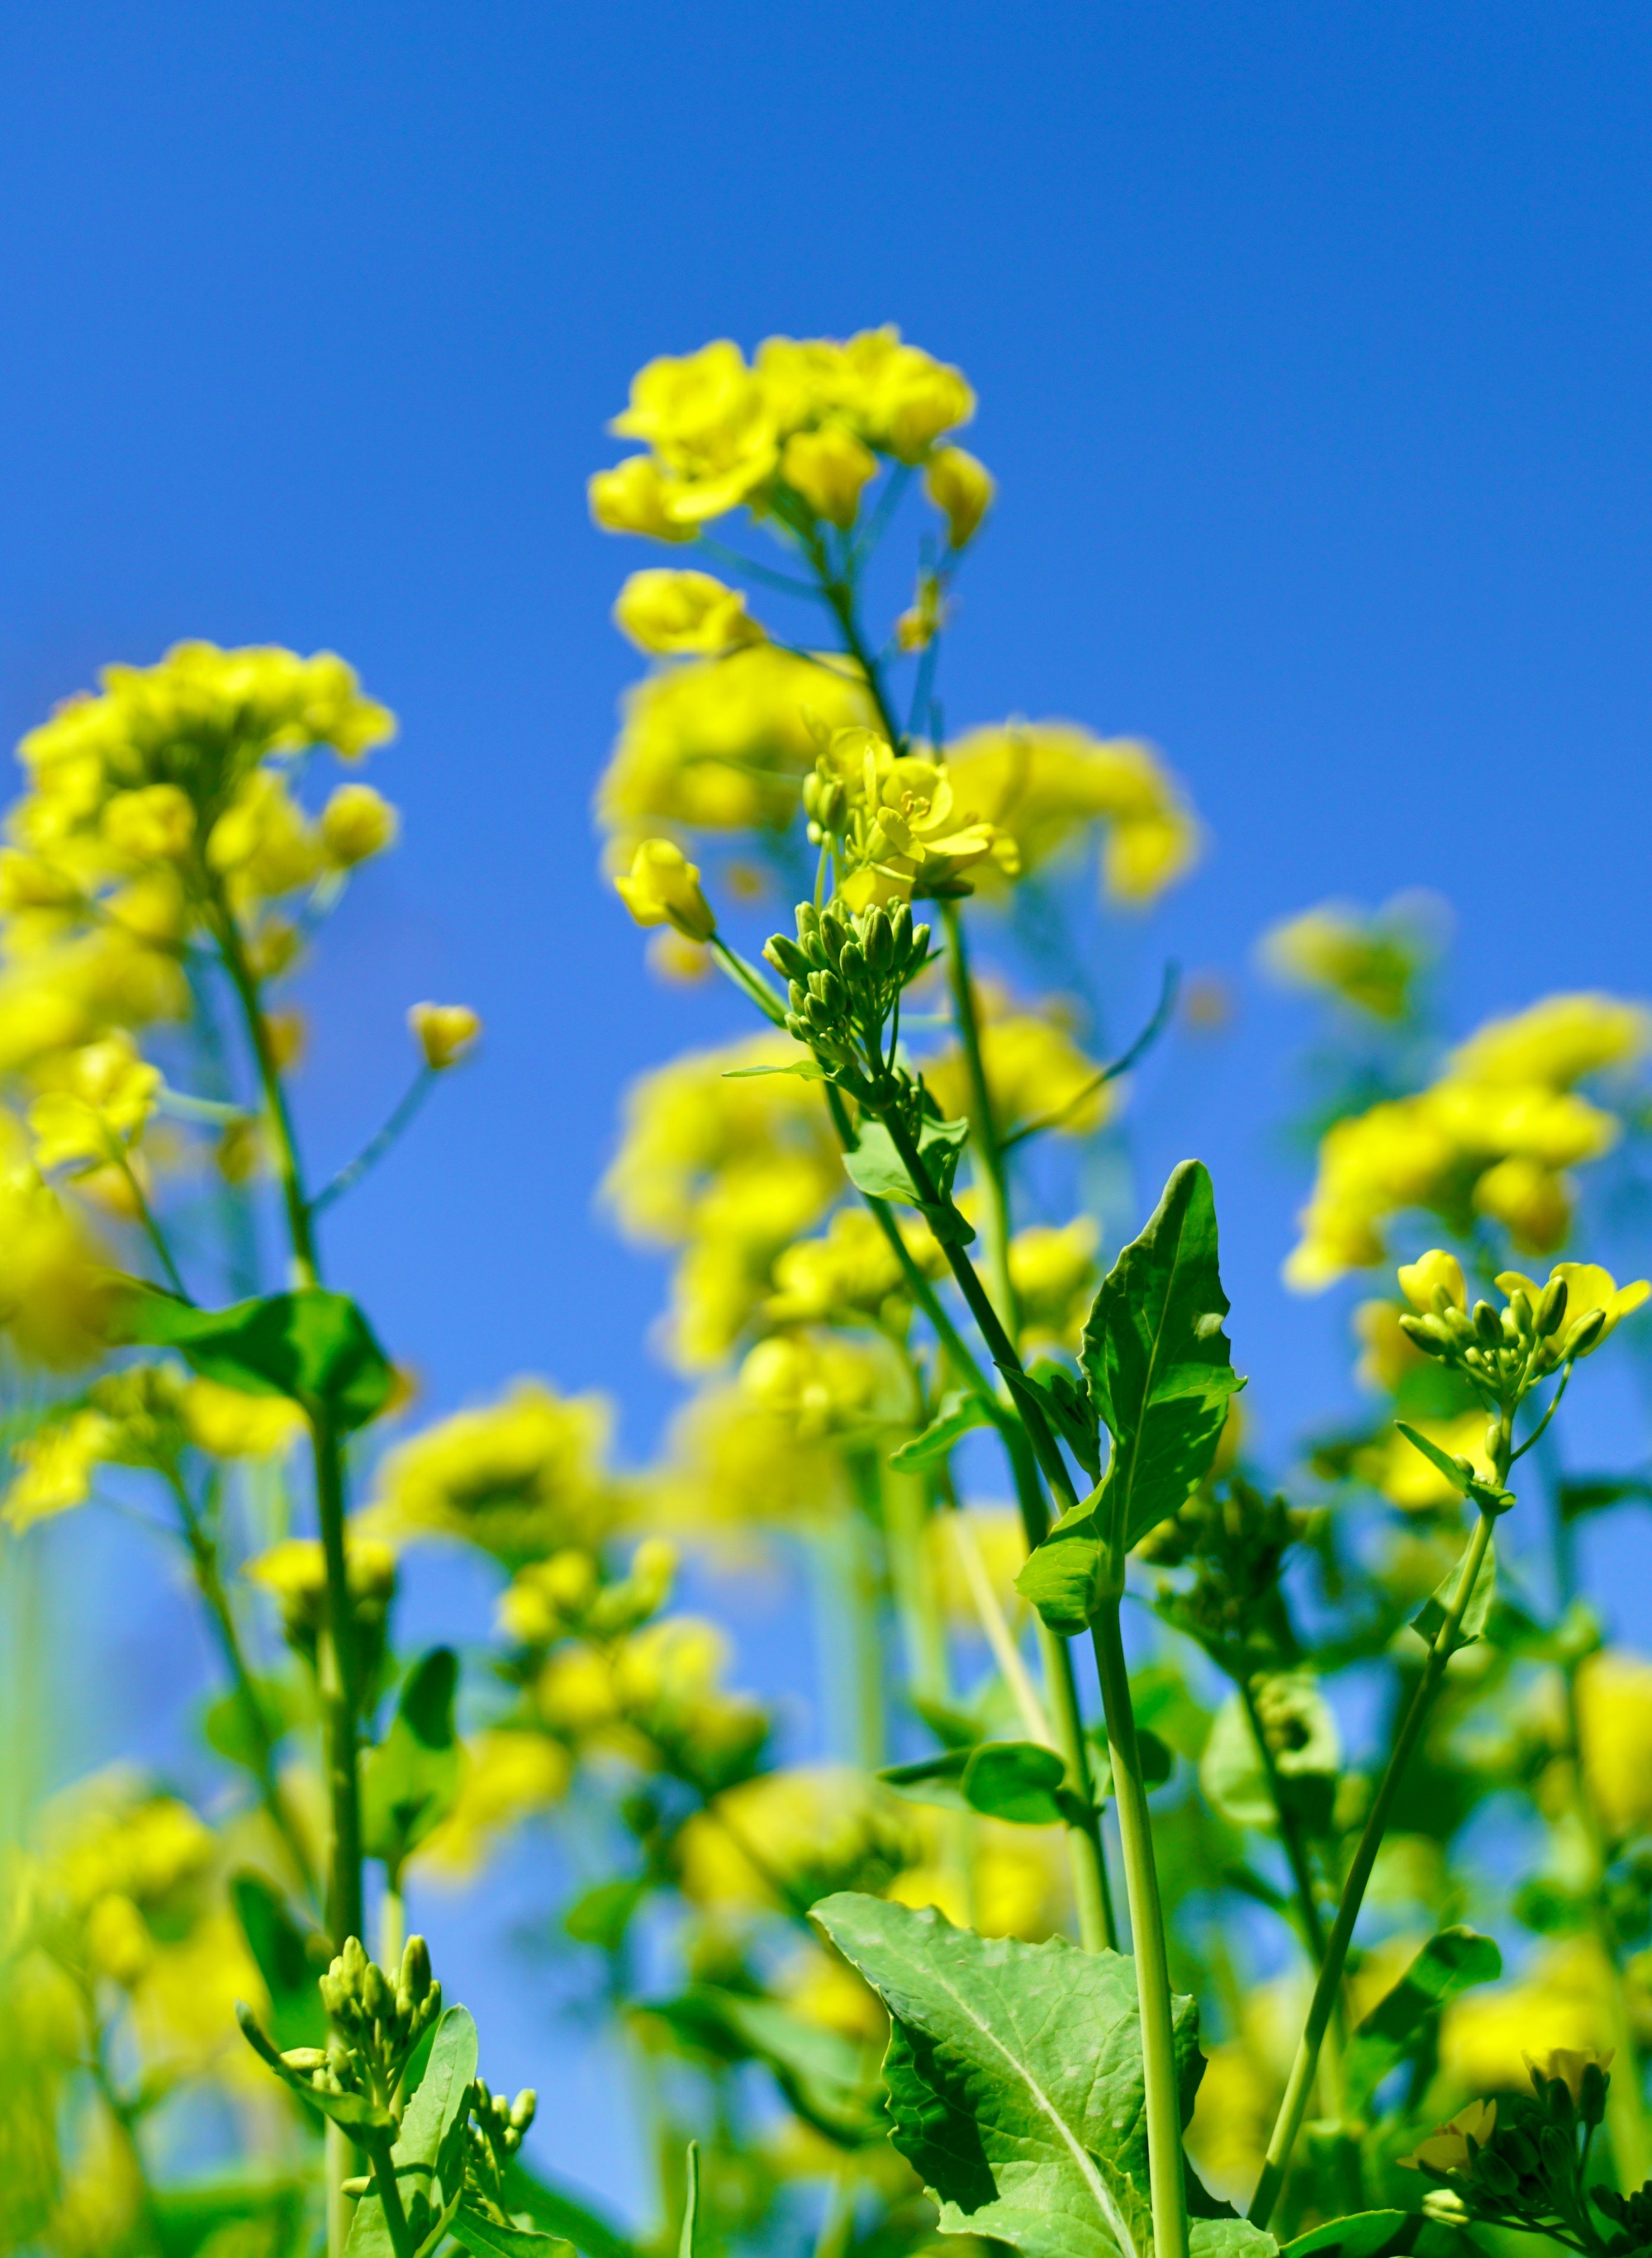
[[1430, 1618], [314, 1347], [409, 1782], [876, 1168], [1447, 1966], [959, 1413]]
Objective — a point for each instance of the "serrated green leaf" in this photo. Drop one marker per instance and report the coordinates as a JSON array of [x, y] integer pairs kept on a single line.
[[489, 2239], [877, 1169], [958, 1413], [1016, 1780], [314, 1347], [1014, 2077], [409, 1783], [1429, 1619], [1448, 1965], [1159, 1365]]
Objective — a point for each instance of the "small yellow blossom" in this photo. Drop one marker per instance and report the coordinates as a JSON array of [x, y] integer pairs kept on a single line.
[[1555, 1042], [509, 1776], [1487, 2036], [1369, 960], [733, 1465], [828, 468], [812, 1830], [684, 615], [56, 1465], [1412, 1482], [662, 887], [1432, 1273], [1588, 1288], [106, 1093], [1387, 1355], [1448, 2149], [904, 830], [57, 1287], [1614, 1732], [444, 1032], [850, 1273], [229, 1424], [356, 824], [1053, 1271], [677, 961], [1034, 1072], [962, 489], [822, 1382], [707, 420], [153, 824], [630, 499]]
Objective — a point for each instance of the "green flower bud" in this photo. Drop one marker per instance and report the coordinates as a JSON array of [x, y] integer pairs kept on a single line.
[[786, 957], [376, 1995], [1424, 1333], [1582, 1337], [1492, 2172], [1488, 1324], [852, 963], [1519, 1310], [1552, 1307], [1591, 2093], [1493, 1438], [880, 939], [523, 2109], [832, 937]]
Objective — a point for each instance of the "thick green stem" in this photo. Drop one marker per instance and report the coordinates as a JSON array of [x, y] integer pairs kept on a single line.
[[203, 1557], [992, 1176], [1166, 2173], [401, 2237], [1293, 2107]]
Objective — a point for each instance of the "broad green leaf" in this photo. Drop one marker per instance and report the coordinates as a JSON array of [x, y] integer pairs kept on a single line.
[[1236, 1782], [560, 2212], [1448, 1965], [1429, 1619], [314, 1347], [282, 1703], [410, 1781], [1017, 1780], [876, 1168], [1158, 1363], [1015, 2076], [426, 2150], [953, 1728], [958, 1413], [485, 2237], [690, 2203], [1367, 2235], [1062, 1577], [291, 1960], [1230, 2238]]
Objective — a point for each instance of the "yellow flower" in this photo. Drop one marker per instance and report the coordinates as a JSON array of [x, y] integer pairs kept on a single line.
[[295, 1574], [1614, 1732], [57, 1464], [1447, 2149], [444, 1032], [519, 1479], [1415, 1484], [119, 1943], [734, 1464], [1567, 2064], [56, 1284], [153, 824], [1487, 2036], [1053, 1271], [821, 1383], [962, 489], [850, 1272], [630, 499], [723, 744], [905, 400], [1588, 1288], [1388, 1355], [1532, 1202], [356, 824], [706, 419], [812, 1829], [904, 829], [680, 963], [684, 615], [1432, 1273], [1369, 960], [828, 468], [1033, 1070], [508, 1776], [918, 627], [1046, 783], [662, 888], [229, 1424], [107, 1094], [1555, 1042]]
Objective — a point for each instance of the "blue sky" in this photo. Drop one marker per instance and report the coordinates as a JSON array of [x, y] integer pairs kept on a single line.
[[1312, 344]]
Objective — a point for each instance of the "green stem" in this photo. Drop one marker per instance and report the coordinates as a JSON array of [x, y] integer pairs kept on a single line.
[[401, 2240], [342, 1691], [227, 933], [984, 1129], [1293, 2107], [203, 1556], [378, 1145], [152, 1230], [1166, 2173], [1626, 2102]]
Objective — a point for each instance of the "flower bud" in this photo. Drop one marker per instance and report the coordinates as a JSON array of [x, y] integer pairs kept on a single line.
[[962, 489], [524, 2108], [1488, 1324], [1519, 1310], [1493, 2173], [305, 2059], [662, 887], [1551, 1308], [376, 1996], [852, 963], [879, 939], [1493, 1439], [832, 937], [1583, 1335], [1591, 2093], [1445, 2208], [786, 957], [828, 468], [444, 1032], [356, 824]]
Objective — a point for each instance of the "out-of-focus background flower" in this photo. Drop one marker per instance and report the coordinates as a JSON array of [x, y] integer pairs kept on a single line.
[[1312, 347]]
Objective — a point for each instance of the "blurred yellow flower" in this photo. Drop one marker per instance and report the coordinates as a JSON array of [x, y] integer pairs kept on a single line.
[[822, 1383], [295, 1573], [519, 1479], [850, 1273], [57, 1286], [684, 615], [804, 1832], [962, 489], [631, 498], [1487, 2036], [1432, 1273], [707, 420], [1555, 1042], [828, 467], [1614, 1734], [444, 1032], [1369, 959], [1387, 1355], [1047, 783], [56, 1465], [1034, 1072], [356, 824], [102, 1095], [1415, 1484], [229, 1424], [733, 1463], [1052, 1268], [509, 1776]]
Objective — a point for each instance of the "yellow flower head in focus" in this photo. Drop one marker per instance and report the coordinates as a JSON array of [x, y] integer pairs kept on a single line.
[[1434, 1274], [962, 489], [1369, 960], [1588, 1288], [902, 828], [1047, 784], [684, 615], [662, 887], [518, 1479], [723, 744], [706, 419], [1448, 2148], [444, 1032]]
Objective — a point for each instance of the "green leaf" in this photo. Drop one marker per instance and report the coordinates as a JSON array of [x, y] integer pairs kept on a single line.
[[690, 2203], [482, 2235], [1429, 1619], [805, 1070], [314, 1347], [1017, 1780], [1064, 1576], [563, 2212], [1014, 2077], [1442, 1461], [953, 1728], [877, 1169], [1367, 2235], [410, 1781], [290, 1959], [958, 1412], [830, 2080], [1159, 1365], [1578, 1498], [426, 2150], [1052, 1391], [1448, 1965], [937, 1780], [1230, 2238], [282, 1703], [1235, 1780], [353, 2111], [602, 1916]]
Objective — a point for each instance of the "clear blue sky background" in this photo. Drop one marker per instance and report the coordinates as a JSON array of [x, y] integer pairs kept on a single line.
[[1312, 343]]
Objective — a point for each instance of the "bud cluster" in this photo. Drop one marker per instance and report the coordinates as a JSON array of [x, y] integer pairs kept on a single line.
[[379, 2023], [844, 973], [494, 2132], [1235, 1539], [566, 1596], [1506, 1351], [1522, 2162]]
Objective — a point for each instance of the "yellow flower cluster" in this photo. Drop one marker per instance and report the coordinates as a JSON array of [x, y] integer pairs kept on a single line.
[[729, 1169], [520, 1479], [1034, 1072], [897, 824], [1369, 960], [722, 744], [1494, 1136], [1047, 785], [655, 1699], [807, 417]]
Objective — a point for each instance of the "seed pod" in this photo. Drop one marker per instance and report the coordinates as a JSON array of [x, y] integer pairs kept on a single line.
[[1466, 1467], [1488, 1324], [1552, 1307], [304, 2059]]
